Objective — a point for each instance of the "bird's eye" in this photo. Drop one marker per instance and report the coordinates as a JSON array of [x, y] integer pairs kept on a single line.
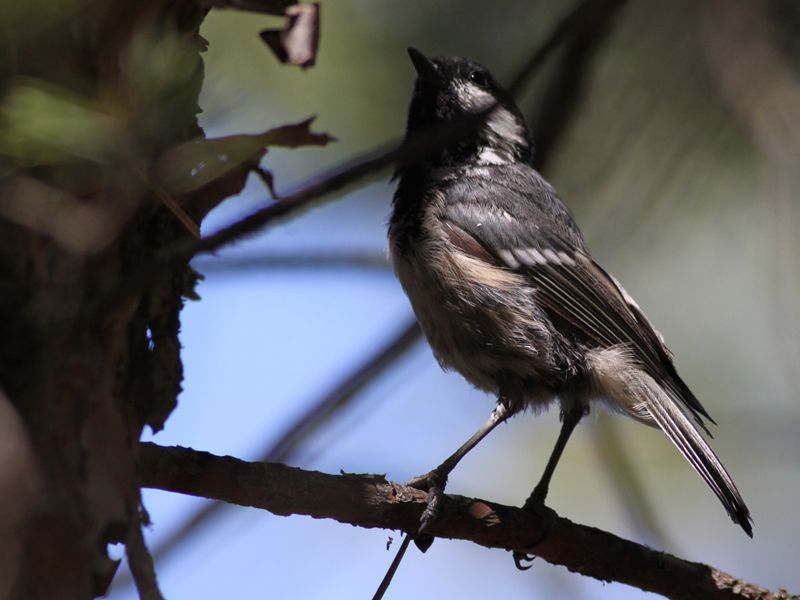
[[479, 78]]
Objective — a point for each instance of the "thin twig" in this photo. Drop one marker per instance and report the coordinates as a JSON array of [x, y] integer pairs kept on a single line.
[[286, 260], [370, 164], [334, 180], [175, 208], [141, 564], [341, 394], [371, 501], [167, 200], [387, 579]]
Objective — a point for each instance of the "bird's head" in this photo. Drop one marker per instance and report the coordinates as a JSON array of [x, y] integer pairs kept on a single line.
[[451, 88]]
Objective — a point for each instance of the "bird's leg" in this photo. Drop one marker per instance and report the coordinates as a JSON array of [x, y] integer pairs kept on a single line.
[[569, 420], [435, 481]]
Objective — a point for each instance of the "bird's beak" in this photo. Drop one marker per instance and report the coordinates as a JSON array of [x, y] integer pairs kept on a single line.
[[426, 69]]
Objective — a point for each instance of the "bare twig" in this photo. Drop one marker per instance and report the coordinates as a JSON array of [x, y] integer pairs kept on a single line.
[[141, 564], [371, 163], [398, 558], [341, 394], [175, 208], [334, 180], [338, 178], [180, 252], [290, 260], [371, 501]]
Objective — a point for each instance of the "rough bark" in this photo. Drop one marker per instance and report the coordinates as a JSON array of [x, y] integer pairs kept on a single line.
[[83, 376], [371, 501]]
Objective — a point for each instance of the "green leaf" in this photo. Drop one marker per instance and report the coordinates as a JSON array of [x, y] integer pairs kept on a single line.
[[44, 124], [191, 165]]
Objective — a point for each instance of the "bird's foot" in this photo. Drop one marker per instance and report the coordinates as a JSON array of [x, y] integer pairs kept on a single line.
[[434, 483], [535, 504]]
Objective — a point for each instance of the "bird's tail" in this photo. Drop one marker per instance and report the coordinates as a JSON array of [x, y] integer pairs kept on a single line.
[[657, 406]]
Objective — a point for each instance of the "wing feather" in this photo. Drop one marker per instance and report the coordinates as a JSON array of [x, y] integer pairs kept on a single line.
[[572, 285]]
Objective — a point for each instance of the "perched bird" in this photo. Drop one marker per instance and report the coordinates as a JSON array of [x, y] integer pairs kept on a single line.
[[508, 295]]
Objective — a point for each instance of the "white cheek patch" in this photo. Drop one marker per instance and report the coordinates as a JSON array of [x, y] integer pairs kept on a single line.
[[501, 121], [471, 96], [504, 131], [506, 126]]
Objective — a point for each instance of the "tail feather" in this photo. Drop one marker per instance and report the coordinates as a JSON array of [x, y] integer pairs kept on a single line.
[[665, 411]]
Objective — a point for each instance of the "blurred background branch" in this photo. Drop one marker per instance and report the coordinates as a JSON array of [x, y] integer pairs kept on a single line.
[[369, 261], [316, 415], [750, 51]]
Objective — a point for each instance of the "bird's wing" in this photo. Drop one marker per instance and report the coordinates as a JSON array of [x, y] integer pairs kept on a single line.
[[524, 227], [540, 240]]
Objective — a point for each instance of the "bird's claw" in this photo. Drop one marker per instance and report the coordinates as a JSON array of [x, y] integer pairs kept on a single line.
[[434, 483], [435, 478], [521, 557], [535, 501], [535, 504]]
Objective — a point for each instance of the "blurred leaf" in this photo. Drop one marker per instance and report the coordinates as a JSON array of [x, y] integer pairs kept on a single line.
[[80, 226], [45, 124], [267, 7], [297, 43], [163, 74], [191, 165], [26, 20]]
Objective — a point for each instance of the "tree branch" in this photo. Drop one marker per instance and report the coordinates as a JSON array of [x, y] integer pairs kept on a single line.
[[259, 263], [318, 413], [355, 171], [371, 501], [340, 396], [419, 146], [141, 564], [314, 191]]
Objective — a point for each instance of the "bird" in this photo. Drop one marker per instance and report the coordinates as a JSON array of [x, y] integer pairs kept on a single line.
[[507, 293]]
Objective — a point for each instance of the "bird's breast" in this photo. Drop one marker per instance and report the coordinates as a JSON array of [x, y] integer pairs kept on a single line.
[[479, 318]]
